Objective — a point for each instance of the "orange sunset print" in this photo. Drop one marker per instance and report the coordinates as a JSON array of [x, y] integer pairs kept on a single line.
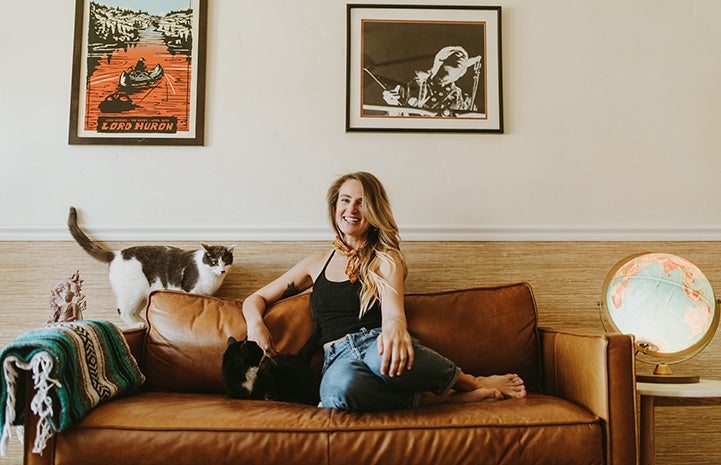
[[139, 67]]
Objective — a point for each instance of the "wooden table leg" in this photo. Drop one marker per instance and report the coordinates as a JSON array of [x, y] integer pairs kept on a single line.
[[648, 437]]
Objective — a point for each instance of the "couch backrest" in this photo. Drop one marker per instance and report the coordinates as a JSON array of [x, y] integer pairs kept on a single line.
[[484, 330]]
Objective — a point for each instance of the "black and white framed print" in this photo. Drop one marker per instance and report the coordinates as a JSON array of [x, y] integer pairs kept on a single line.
[[424, 68]]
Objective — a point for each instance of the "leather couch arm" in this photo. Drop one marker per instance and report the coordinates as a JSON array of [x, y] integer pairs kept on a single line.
[[597, 372], [136, 340]]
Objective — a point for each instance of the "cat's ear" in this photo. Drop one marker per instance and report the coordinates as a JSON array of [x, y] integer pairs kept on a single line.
[[231, 247], [232, 340], [205, 246]]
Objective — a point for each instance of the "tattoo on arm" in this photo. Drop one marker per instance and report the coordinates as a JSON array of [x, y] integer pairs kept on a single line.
[[291, 290]]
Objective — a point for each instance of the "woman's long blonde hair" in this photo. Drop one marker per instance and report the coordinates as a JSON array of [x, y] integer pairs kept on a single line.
[[383, 244]]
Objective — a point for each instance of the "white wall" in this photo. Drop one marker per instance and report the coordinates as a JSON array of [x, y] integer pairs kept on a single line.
[[612, 112]]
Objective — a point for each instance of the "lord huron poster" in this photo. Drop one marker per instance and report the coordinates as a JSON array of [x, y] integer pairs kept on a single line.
[[138, 72]]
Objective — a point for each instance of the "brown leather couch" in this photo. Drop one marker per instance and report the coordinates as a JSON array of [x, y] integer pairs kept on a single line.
[[580, 408]]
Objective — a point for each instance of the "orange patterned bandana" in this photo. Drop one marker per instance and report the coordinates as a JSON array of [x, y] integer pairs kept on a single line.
[[352, 269]]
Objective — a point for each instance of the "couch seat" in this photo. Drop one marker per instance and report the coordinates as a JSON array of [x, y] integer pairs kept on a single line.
[[182, 428]]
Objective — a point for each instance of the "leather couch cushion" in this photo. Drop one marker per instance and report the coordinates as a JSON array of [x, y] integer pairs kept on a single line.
[[188, 333], [484, 330], [182, 428]]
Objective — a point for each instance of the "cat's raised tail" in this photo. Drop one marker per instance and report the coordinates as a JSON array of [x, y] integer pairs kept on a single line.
[[90, 246]]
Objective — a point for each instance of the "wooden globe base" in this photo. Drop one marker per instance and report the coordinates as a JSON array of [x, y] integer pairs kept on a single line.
[[663, 374]]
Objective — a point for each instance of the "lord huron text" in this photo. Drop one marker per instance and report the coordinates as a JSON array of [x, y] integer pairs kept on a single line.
[[140, 124]]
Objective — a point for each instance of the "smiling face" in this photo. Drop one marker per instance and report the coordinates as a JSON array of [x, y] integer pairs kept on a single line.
[[349, 216]]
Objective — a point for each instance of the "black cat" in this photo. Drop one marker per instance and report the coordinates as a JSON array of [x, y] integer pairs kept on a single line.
[[249, 374]]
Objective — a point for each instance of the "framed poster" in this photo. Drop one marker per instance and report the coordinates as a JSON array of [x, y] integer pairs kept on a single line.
[[138, 72], [424, 68]]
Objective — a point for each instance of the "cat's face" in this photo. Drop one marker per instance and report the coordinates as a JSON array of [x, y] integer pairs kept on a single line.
[[218, 258], [246, 353], [241, 362]]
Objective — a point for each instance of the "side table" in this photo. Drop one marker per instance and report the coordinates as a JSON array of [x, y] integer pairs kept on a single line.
[[705, 392]]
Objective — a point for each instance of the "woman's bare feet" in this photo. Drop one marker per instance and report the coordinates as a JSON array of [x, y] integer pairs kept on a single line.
[[477, 389], [476, 395], [511, 385]]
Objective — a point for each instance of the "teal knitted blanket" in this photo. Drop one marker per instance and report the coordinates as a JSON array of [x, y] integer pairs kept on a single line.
[[75, 366]]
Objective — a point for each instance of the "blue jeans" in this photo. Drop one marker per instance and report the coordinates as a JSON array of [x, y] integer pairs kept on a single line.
[[352, 380]]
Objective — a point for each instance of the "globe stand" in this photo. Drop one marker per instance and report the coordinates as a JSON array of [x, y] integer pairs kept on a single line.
[[663, 374]]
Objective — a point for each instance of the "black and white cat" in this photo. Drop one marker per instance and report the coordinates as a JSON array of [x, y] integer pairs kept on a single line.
[[136, 271], [248, 373]]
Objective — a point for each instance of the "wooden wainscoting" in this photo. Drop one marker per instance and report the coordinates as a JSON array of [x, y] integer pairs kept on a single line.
[[567, 278]]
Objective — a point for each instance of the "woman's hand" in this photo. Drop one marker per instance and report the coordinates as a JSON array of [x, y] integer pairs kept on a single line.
[[253, 308], [259, 333], [396, 348]]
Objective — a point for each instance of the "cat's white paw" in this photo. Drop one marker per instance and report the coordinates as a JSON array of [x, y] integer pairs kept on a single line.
[[134, 323]]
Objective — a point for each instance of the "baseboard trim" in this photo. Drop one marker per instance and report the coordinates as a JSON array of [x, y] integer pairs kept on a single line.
[[449, 233]]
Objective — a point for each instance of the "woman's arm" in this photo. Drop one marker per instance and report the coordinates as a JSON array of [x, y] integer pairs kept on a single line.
[[297, 279], [394, 343]]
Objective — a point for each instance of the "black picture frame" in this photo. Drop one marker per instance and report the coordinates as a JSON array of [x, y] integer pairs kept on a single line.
[[403, 66], [138, 75]]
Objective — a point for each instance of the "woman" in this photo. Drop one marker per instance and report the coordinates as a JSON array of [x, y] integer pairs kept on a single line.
[[371, 361]]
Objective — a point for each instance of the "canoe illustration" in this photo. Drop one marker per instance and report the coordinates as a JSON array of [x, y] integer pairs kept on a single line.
[[140, 77]]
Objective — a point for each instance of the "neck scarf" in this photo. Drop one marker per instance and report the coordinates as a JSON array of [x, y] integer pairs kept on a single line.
[[352, 269]]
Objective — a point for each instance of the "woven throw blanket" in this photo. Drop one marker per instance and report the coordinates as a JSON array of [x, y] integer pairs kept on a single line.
[[75, 366]]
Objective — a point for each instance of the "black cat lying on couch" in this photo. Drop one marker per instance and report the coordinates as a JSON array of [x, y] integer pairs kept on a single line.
[[248, 373]]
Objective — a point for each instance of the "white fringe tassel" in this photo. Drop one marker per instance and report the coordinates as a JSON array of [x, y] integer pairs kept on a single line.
[[41, 404]]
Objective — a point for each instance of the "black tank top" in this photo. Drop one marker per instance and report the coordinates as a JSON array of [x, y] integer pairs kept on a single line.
[[335, 307]]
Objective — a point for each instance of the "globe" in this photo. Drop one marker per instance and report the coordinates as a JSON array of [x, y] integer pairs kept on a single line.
[[666, 302]]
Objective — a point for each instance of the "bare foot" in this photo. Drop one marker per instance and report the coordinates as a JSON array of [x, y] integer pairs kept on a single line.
[[476, 395], [511, 385]]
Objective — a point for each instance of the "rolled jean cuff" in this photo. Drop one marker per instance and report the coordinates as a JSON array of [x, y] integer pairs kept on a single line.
[[416, 400], [451, 382]]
